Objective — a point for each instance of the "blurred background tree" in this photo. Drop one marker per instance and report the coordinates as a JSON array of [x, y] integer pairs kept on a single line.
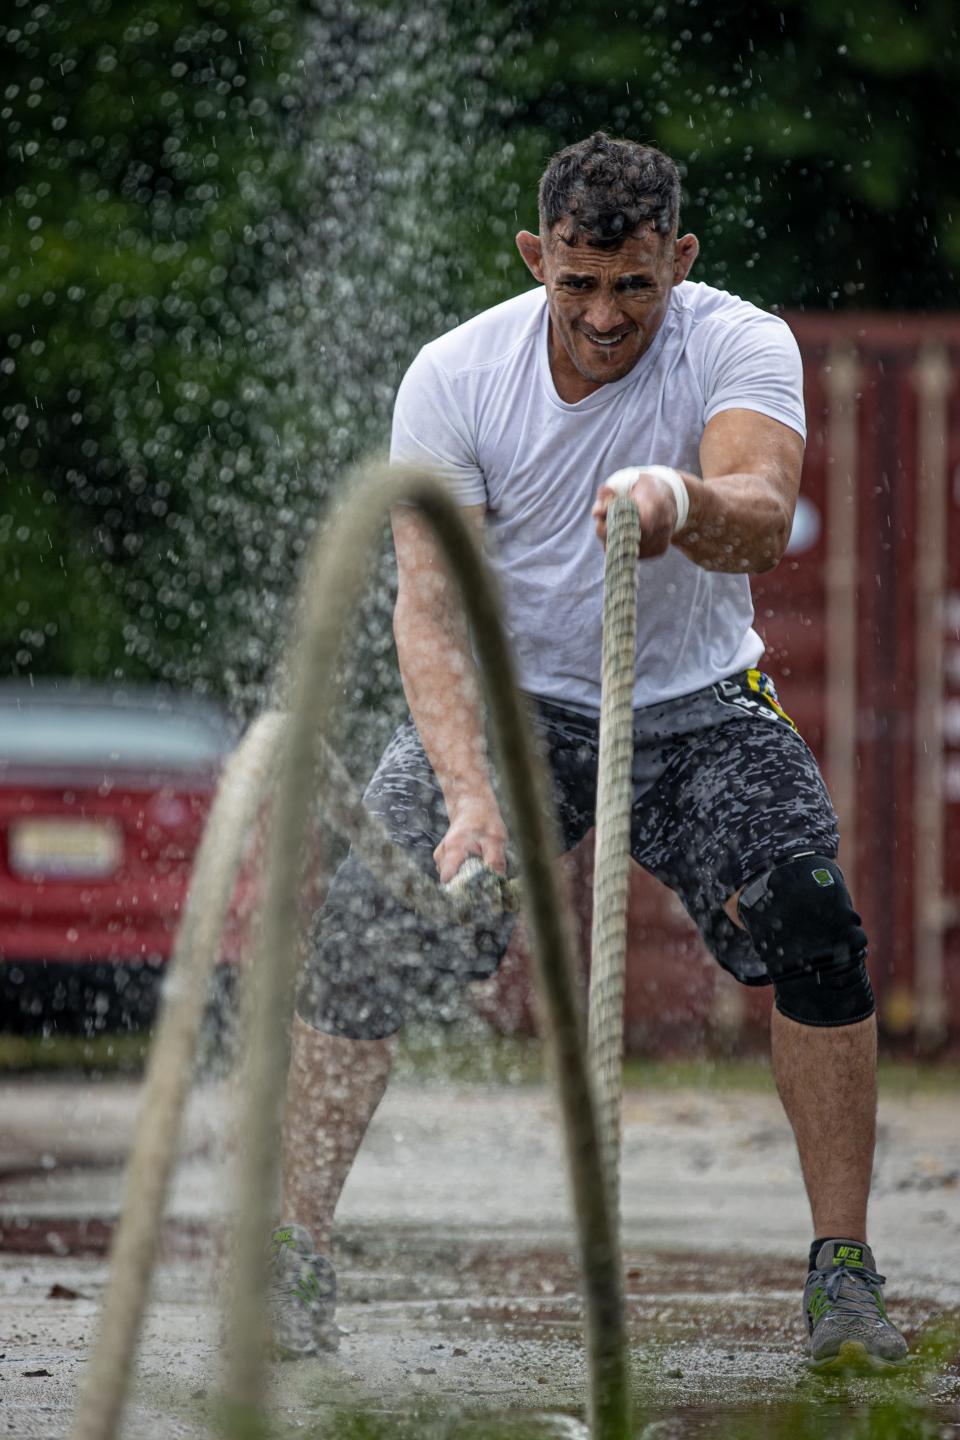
[[147, 172], [229, 224], [819, 141]]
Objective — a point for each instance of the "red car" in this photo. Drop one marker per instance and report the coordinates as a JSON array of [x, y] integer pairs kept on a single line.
[[103, 796]]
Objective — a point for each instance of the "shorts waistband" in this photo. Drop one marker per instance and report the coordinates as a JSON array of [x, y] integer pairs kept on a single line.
[[554, 709]]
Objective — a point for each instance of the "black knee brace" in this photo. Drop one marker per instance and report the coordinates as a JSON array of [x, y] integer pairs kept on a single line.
[[801, 920]]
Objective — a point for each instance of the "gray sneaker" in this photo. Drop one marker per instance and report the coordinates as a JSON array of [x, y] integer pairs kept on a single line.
[[302, 1298], [845, 1314]]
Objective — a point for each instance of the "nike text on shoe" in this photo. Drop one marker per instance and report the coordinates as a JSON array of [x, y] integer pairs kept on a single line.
[[302, 1297], [845, 1314]]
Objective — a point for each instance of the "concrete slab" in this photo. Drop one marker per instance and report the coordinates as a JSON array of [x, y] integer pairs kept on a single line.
[[456, 1259]]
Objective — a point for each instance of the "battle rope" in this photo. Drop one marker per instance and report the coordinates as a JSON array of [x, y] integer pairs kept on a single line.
[[475, 892], [611, 863], [170, 1073], [333, 582]]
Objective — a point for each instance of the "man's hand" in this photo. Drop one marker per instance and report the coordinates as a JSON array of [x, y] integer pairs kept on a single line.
[[657, 508], [476, 828]]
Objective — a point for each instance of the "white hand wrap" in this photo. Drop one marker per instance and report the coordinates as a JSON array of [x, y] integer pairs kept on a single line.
[[623, 482]]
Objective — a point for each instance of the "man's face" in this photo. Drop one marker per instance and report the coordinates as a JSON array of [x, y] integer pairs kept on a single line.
[[606, 306]]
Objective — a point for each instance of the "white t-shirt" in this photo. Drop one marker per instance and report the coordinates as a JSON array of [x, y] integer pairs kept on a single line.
[[479, 406]]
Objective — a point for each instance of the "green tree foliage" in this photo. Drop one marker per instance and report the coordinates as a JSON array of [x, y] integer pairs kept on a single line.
[[145, 177], [819, 141]]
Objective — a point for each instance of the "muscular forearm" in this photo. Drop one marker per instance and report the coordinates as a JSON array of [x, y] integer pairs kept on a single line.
[[737, 523], [442, 689]]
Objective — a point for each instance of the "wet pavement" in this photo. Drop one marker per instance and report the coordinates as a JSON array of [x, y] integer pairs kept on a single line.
[[455, 1260]]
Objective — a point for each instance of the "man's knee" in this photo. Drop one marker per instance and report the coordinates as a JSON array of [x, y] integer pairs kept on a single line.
[[372, 964], [347, 985], [801, 920], [345, 1017]]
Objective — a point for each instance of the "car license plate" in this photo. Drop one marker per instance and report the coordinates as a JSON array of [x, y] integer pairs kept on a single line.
[[64, 849]]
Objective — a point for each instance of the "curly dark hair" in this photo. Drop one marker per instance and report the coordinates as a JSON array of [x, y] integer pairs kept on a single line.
[[608, 189]]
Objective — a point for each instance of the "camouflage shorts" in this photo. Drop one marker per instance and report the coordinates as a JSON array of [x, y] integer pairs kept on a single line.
[[723, 788]]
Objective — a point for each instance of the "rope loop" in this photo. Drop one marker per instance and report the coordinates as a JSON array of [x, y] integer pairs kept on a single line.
[[284, 759]]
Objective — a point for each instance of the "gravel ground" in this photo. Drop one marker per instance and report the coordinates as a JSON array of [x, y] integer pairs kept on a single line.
[[456, 1266]]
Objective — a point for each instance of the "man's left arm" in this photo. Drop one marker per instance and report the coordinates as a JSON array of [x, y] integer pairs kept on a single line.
[[740, 512]]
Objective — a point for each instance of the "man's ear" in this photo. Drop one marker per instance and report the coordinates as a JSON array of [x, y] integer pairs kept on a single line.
[[686, 250], [531, 249]]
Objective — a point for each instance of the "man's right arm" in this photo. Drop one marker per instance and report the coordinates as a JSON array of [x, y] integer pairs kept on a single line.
[[442, 689]]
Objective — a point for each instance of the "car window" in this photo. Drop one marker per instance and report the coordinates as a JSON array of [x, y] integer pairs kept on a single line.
[[102, 735]]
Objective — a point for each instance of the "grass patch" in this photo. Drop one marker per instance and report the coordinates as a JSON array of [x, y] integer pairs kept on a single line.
[[469, 1053], [112, 1052], [466, 1053], [888, 1417]]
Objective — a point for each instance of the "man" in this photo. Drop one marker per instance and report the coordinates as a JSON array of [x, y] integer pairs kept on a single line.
[[617, 361]]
